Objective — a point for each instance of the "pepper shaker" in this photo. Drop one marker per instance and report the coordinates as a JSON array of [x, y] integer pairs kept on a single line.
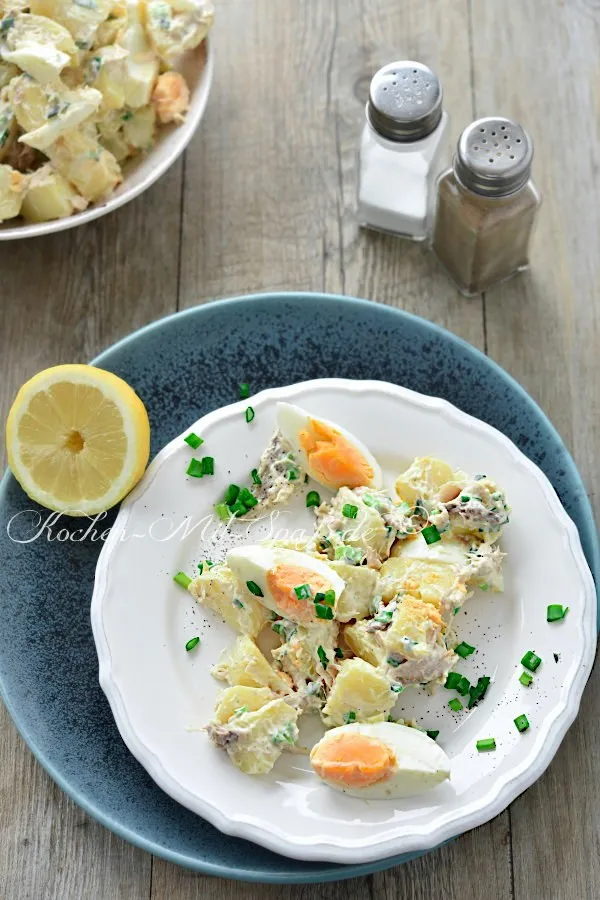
[[487, 205], [402, 150]]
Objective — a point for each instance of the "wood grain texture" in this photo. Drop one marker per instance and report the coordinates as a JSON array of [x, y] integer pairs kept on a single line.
[[545, 329], [268, 203]]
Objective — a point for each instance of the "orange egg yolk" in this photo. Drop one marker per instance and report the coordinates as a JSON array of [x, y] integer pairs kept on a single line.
[[355, 760], [281, 582], [333, 460]]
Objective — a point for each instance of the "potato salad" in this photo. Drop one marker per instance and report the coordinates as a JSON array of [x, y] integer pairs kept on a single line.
[[84, 87], [360, 610]]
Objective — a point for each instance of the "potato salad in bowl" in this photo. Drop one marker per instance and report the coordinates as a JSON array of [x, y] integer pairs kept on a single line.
[[86, 87], [359, 611]]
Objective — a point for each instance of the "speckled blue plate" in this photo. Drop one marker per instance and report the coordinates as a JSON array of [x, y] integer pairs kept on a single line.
[[182, 367]]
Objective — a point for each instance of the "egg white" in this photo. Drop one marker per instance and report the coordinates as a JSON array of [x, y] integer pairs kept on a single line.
[[420, 763], [255, 562], [291, 420]]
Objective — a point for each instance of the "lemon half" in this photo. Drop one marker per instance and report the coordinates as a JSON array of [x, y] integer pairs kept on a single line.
[[78, 439]]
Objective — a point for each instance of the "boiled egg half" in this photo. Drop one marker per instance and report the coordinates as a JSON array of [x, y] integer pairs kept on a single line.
[[285, 581], [379, 761], [329, 453]]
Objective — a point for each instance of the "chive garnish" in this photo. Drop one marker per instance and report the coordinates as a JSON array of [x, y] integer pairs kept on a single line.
[[349, 717], [432, 734], [292, 474], [339, 653], [397, 688], [193, 440], [556, 612], [484, 586], [254, 589], [237, 603], [231, 494], [453, 679], [208, 465], [463, 687], [431, 534], [531, 661], [349, 510], [312, 499], [244, 390], [249, 414], [455, 705], [526, 678], [200, 567], [323, 612], [463, 650], [240, 710], [322, 656], [238, 509], [393, 662], [193, 642], [195, 469], [247, 498], [486, 744], [478, 691], [209, 563], [255, 476], [522, 723], [223, 512], [303, 591], [182, 579]]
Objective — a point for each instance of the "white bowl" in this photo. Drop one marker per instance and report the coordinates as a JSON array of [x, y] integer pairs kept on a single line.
[[197, 67], [161, 696]]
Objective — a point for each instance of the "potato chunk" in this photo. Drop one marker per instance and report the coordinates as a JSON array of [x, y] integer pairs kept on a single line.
[[356, 598], [360, 693], [255, 740], [219, 589], [50, 196], [366, 644], [244, 664], [240, 699]]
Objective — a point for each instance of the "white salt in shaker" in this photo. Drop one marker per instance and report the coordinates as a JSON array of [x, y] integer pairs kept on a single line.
[[402, 150]]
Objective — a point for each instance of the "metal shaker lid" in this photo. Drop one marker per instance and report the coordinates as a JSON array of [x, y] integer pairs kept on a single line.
[[494, 157], [405, 101]]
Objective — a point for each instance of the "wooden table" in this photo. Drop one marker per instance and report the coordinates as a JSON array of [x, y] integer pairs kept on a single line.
[[264, 200]]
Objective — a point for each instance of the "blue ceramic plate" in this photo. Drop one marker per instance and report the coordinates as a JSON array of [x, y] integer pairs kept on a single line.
[[183, 367]]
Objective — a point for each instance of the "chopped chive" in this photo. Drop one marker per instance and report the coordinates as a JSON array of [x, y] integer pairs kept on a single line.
[[292, 474], [223, 512], [431, 534], [464, 498], [323, 612], [195, 469], [255, 476], [349, 510], [238, 509], [254, 589], [526, 678], [182, 579], [463, 650], [193, 440], [240, 710], [484, 586], [478, 691], [231, 494], [486, 744], [322, 656], [339, 653], [249, 414], [237, 603], [209, 563], [531, 661], [193, 642], [247, 498], [200, 567], [208, 465], [480, 477], [463, 687], [522, 723], [456, 611], [453, 679], [244, 390], [393, 662], [303, 591], [455, 704], [432, 734], [312, 499], [349, 717], [397, 688], [556, 612]]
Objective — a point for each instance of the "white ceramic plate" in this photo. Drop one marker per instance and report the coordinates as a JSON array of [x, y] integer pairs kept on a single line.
[[161, 696], [197, 67]]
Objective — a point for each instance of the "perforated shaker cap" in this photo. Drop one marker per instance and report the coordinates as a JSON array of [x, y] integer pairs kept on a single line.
[[405, 101], [494, 157]]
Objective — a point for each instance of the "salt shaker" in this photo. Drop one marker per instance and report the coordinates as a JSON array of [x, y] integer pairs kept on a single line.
[[402, 150], [487, 205]]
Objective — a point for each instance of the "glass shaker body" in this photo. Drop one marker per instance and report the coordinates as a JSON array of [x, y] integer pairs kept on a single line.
[[397, 181], [486, 206]]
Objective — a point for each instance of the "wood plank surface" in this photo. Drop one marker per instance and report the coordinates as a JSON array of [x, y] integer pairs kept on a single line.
[[267, 203]]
